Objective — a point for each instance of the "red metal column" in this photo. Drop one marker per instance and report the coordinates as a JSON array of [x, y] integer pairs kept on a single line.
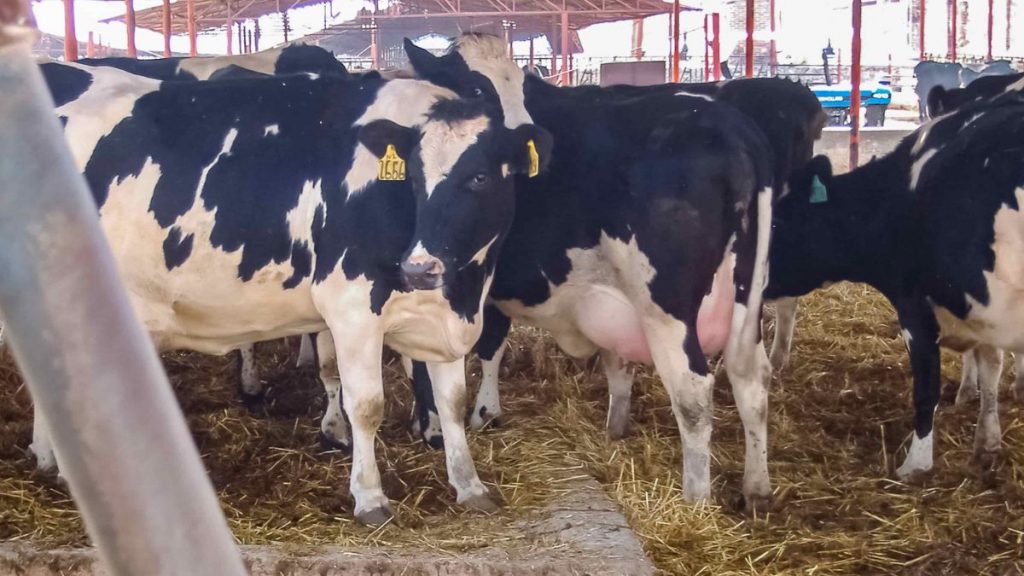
[[191, 15], [70, 37], [129, 20], [167, 28], [716, 46], [675, 40], [773, 56], [531, 53], [855, 89], [90, 47], [922, 27], [991, 8], [565, 48], [637, 49], [707, 51], [750, 39], [231, 24]]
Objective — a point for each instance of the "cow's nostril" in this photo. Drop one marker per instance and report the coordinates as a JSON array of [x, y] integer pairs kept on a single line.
[[423, 274]]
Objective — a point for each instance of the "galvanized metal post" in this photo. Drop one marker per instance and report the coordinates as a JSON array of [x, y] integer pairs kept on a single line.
[[773, 55], [120, 438], [952, 30], [707, 51], [991, 23], [855, 88]]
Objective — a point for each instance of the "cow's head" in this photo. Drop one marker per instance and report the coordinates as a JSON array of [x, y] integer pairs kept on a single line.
[[476, 66], [461, 164]]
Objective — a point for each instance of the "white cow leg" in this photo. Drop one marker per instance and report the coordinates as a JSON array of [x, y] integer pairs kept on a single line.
[[488, 399], [41, 445], [785, 322], [968, 391], [689, 388], [248, 375], [750, 374], [307, 355], [987, 436], [333, 429], [620, 388], [359, 364], [449, 384], [1018, 382]]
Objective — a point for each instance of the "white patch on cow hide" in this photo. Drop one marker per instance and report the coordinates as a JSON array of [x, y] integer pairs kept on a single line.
[[301, 216], [488, 55], [404, 102], [918, 166], [443, 143], [481, 254], [272, 130], [692, 95], [203, 67], [1015, 87]]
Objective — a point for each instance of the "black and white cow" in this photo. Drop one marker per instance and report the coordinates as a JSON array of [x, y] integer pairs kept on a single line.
[[787, 113], [256, 209], [972, 73], [936, 227], [291, 59], [646, 241], [941, 100]]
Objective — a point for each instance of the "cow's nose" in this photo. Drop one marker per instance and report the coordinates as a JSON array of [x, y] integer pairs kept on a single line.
[[422, 274]]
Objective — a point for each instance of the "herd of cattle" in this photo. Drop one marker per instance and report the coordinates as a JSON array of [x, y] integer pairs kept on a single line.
[[275, 194]]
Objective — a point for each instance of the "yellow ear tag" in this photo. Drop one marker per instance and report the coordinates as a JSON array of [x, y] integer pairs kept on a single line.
[[391, 167], [534, 158]]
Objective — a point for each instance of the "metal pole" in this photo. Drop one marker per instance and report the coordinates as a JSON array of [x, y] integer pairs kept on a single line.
[[1009, 18], [374, 47], [256, 36], [855, 88], [773, 55], [90, 47], [121, 439], [952, 30], [531, 52], [716, 45], [129, 20], [675, 41], [637, 50], [991, 22], [707, 51], [839, 65], [167, 28], [922, 28], [565, 48], [191, 15], [750, 39], [231, 24], [70, 36]]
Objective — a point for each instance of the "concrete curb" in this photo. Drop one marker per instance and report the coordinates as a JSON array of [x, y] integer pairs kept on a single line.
[[581, 533]]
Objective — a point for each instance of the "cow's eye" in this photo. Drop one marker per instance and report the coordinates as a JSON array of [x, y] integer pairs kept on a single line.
[[479, 181]]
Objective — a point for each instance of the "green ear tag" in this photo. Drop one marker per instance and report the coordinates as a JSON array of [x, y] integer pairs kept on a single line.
[[819, 194]]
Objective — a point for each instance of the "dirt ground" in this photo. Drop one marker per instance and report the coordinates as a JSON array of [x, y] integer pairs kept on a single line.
[[840, 422]]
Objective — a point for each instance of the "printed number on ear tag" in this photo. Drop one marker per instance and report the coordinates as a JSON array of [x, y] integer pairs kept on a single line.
[[534, 158], [391, 167]]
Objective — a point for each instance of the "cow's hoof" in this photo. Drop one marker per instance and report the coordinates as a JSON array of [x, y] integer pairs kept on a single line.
[[481, 503], [436, 442], [985, 458], [330, 443], [253, 402], [431, 430], [618, 421], [484, 418], [376, 516], [778, 361], [755, 504], [914, 477], [46, 461]]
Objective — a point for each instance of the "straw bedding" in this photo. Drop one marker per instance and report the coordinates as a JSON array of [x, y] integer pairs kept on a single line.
[[840, 421]]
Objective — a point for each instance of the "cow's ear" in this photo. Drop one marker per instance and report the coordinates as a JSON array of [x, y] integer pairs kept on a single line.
[[936, 101], [423, 62], [378, 135], [529, 150], [811, 183]]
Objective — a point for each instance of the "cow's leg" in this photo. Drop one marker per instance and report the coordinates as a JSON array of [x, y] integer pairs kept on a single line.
[[307, 351], [922, 335], [449, 385], [749, 372], [968, 379], [987, 436], [333, 428], [620, 388], [249, 385], [683, 368], [1018, 382], [41, 445], [785, 321], [426, 423], [362, 388], [490, 348]]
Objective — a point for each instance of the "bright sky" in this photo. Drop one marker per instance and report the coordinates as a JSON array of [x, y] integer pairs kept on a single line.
[[803, 29]]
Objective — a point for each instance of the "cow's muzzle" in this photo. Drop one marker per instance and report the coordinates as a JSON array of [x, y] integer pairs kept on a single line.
[[422, 273]]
